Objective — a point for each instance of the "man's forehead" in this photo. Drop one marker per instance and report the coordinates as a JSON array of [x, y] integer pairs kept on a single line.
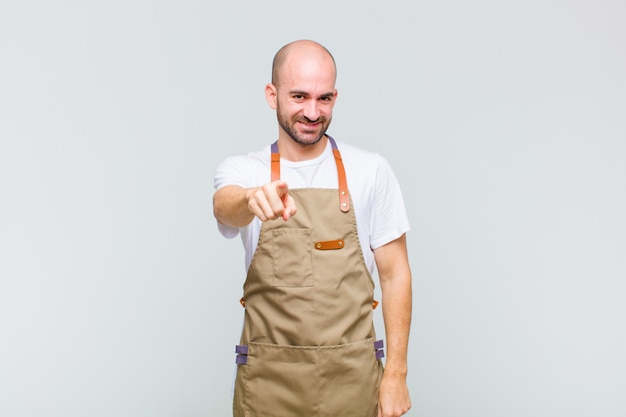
[[308, 72]]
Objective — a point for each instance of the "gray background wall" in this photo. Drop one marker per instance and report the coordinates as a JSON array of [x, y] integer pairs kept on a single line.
[[504, 122]]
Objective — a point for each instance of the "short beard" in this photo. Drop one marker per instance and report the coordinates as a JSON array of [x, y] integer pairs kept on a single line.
[[294, 135], [284, 124]]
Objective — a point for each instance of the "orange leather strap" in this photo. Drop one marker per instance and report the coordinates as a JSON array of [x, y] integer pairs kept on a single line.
[[344, 197], [329, 245], [275, 165]]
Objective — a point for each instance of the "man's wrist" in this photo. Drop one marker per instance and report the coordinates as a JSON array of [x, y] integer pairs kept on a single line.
[[396, 371]]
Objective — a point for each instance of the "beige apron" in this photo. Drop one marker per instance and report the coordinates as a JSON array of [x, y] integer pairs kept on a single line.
[[308, 344]]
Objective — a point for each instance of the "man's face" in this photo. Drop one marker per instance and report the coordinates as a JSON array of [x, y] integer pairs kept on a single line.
[[304, 101]]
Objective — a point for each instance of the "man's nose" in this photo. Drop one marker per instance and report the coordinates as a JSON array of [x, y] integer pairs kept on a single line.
[[311, 110]]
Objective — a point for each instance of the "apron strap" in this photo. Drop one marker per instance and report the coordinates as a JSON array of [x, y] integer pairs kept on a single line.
[[275, 164], [344, 196]]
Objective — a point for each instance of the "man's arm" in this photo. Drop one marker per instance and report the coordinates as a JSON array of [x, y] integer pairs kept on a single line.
[[236, 206], [395, 281]]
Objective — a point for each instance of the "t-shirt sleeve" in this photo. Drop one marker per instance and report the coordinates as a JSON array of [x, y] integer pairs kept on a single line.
[[389, 219], [235, 170]]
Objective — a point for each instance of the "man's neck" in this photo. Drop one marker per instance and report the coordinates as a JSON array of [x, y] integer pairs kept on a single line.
[[296, 152]]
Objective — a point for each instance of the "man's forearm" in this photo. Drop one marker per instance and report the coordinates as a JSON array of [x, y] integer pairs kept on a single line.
[[230, 206], [395, 281], [397, 307]]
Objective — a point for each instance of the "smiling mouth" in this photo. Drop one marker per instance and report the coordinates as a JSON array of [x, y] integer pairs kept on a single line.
[[310, 125]]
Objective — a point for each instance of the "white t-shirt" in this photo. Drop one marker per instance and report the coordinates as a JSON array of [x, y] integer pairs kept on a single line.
[[376, 197]]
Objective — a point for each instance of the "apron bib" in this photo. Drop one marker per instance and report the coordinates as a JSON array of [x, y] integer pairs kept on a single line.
[[308, 344]]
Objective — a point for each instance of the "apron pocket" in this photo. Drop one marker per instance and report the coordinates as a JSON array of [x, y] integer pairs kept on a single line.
[[292, 257], [281, 381], [350, 380], [325, 381]]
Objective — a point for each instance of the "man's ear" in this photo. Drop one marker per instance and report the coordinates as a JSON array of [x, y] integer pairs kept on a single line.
[[270, 95]]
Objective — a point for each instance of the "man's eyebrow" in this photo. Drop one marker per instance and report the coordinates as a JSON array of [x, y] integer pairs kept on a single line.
[[304, 93]]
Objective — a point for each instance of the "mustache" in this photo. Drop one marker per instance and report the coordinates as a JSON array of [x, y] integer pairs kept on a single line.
[[305, 119]]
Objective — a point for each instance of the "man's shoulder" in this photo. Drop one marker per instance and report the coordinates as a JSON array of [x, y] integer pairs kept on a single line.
[[348, 148], [247, 170], [255, 158], [360, 157]]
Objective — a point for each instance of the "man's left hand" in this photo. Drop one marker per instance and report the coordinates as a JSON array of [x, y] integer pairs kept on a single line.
[[393, 400]]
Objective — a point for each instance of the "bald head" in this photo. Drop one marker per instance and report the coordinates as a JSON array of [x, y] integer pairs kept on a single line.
[[296, 52]]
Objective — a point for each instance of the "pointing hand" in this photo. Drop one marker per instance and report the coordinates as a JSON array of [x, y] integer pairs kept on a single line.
[[271, 201]]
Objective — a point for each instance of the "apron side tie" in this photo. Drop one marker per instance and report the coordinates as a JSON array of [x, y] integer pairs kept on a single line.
[[378, 348], [242, 354]]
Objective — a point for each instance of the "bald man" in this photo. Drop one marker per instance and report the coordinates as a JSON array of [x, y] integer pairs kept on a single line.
[[316, 217]]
